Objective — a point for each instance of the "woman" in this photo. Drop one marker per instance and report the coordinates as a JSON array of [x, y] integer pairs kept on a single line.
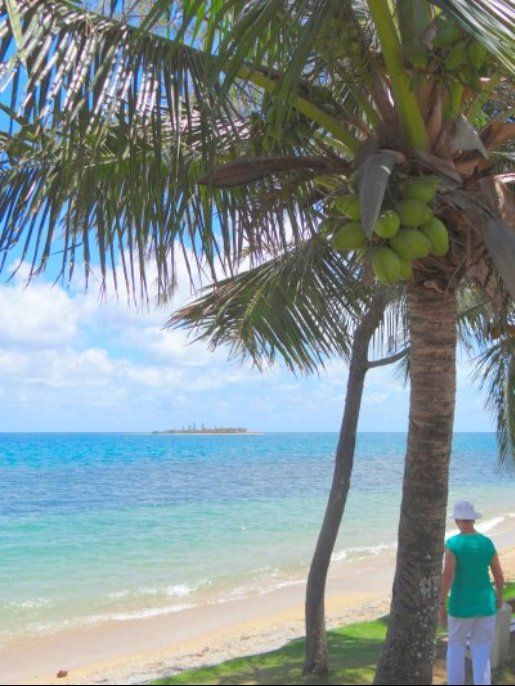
[[473, 603]]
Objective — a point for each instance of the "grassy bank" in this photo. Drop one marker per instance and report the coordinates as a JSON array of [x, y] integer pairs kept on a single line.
[[353, 651]]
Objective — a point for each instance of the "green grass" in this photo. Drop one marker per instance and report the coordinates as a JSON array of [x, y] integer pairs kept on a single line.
[[353, 653]]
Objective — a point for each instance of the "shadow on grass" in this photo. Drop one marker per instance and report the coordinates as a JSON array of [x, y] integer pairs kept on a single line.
[[353, 652]]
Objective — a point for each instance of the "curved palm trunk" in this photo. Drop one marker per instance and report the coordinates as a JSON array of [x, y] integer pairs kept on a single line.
[[316, 660], [409, 651]]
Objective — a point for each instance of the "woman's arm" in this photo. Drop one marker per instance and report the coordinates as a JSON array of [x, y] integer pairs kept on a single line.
[[495, 566], [449, 567]]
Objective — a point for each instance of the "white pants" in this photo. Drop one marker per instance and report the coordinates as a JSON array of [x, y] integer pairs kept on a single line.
[[481, 631]]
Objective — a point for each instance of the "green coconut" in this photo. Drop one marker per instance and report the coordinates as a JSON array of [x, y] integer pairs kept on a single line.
[[436, 233], [413, 212], [348, 205], [469, 75], [386, 265], [349, 237], [448, 32], [457, 56], [388, 224], [422, 188], [419, 58], [406, 269], [410, 244], [476, 53]]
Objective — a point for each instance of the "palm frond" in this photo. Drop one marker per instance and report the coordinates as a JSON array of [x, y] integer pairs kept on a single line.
[[117, 198], [300, 306], [475, 317], [113, 128], [81, 63], [247, 171], [496, 373], [392, 334], [488, 335], [78, 63]]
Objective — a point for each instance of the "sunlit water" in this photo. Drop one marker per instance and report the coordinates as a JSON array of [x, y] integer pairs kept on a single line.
[[99, 526]]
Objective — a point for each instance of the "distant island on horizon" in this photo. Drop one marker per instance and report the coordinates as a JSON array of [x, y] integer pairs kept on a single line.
[[193, 429]]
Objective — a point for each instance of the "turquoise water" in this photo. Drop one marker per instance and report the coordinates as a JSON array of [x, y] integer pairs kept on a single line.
[[99, 526]]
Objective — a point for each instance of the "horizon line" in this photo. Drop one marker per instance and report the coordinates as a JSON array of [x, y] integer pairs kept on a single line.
[[199, 433]]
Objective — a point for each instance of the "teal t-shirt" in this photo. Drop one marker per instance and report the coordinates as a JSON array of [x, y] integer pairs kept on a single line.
[[472, 594]]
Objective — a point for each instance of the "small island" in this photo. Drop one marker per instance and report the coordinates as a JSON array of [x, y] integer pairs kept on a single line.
[[194, 429]]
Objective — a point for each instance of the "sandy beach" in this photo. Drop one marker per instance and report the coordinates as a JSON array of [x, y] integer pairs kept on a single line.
[[137, 651]]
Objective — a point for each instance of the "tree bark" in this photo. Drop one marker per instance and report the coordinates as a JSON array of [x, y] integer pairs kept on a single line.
[[409, 650], [316, 659]]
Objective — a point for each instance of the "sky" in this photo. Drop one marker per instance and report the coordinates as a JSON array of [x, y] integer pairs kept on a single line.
[[70, 361]]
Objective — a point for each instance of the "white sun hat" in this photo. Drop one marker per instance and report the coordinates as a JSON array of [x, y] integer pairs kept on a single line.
[[464, 510]]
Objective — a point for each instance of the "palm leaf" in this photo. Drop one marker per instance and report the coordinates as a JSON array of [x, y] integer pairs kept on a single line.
[[491, 331], [299, 306], [475, 313], [77, 61], [118, 196], [489, 22], [496, 373], [14, 19]]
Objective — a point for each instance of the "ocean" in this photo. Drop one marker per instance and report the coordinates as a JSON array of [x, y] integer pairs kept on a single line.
[[99, 527]]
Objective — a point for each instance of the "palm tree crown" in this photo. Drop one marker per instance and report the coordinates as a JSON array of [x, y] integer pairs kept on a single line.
[[207, 131]]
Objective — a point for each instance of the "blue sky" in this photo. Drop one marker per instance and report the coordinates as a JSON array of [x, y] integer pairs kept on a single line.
[[71, 362]]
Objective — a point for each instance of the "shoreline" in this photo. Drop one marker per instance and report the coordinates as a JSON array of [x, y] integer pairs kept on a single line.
[[139, 650]]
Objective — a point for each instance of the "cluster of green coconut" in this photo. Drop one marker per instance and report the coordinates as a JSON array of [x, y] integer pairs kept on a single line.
[[459, 50], [407, 232], [460, 55]]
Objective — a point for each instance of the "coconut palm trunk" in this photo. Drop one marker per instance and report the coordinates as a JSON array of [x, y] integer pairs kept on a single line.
[[316, 661], [409, 651]]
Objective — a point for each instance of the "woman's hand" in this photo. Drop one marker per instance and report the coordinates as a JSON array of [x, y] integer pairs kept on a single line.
[[496, 568], [442, 615]]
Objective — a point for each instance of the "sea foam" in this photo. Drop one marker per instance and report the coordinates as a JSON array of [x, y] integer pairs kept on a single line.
[[361, 552]]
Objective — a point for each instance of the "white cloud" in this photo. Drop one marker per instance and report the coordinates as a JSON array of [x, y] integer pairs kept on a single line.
[[71, 362], [376, 398], [37, 316], [67, 359]]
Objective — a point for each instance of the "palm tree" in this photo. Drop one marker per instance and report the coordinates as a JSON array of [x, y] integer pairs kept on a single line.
[[114, 125], [291, 307], [296, 306]]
